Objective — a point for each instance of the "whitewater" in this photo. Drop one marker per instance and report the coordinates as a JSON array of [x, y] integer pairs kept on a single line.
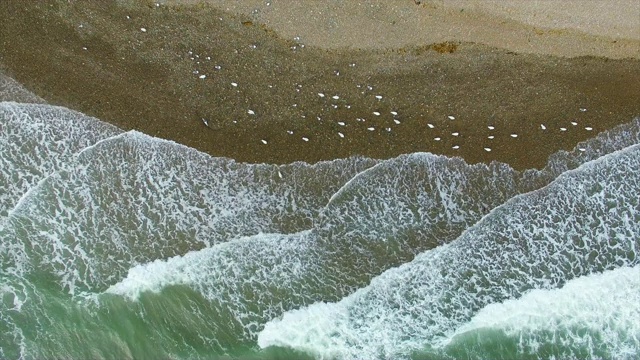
[[121, 245]]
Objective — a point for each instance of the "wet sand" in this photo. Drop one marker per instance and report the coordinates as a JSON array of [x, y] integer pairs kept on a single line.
[[11, 90], [95, 57]]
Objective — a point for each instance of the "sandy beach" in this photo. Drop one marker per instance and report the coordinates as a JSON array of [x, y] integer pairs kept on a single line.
[[561, 28], [280, 81]]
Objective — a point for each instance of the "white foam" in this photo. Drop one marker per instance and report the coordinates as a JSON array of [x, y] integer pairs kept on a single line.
[[535, 241], [598, 311], [604, 143], [246, 281], [214, 270], [368, 214], [37, 140], [11, 90], [153, 199]]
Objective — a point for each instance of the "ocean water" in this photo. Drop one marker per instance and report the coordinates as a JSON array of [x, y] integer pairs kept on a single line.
[[118, 245]]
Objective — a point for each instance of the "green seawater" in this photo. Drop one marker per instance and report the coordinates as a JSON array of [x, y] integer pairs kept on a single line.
[[165, 326], [123, 246], [176, 323]]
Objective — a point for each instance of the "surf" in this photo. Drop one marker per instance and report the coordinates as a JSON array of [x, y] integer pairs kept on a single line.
[[108, 227]]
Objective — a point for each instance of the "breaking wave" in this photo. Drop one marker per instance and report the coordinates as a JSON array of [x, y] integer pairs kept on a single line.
[[118, 244]]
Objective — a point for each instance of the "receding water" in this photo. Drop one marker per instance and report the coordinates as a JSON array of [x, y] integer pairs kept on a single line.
[[118, 245]]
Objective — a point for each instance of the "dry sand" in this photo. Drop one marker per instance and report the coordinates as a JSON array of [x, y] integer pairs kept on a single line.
[[511, 65], [609, 28]]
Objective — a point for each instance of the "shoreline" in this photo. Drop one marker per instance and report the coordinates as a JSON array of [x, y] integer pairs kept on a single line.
[[96, 60]]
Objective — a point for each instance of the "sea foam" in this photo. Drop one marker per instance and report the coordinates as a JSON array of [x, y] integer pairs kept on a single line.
[[138, 215], [592, 316], [586, 221], [131, 199], [36, 140]]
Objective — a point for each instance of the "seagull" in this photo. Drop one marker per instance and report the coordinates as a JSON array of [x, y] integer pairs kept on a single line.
[[206, 123]]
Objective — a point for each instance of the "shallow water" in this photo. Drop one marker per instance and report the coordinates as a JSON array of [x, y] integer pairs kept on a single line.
[[120, 245]]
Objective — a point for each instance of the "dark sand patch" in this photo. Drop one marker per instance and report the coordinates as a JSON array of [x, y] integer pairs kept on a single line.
[[145, 80]]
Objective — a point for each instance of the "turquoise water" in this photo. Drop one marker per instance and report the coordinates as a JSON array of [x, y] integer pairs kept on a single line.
[[118, 245]]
